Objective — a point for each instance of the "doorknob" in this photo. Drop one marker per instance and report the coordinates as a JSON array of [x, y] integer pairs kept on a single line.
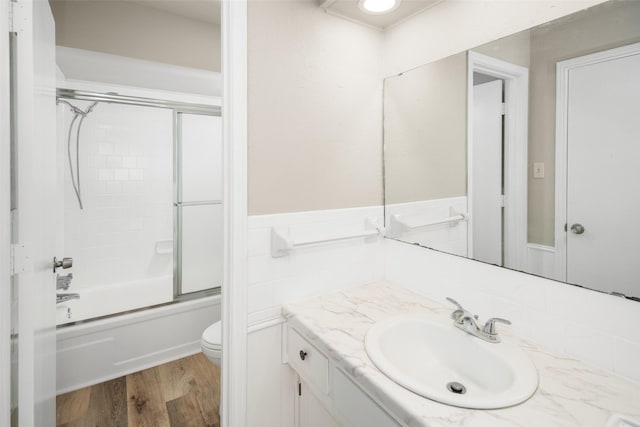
[[64, 263], [577, 229]]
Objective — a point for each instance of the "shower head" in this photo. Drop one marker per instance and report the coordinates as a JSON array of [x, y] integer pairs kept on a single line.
[[90, 108], [77, 111]]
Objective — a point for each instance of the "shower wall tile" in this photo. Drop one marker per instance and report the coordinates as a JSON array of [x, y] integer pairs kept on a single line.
[[126, 168], [121, 174], [105, 148], [129, 162], [113, 162]]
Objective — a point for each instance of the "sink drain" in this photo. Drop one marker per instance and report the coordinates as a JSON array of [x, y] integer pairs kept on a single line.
[[457, 388]]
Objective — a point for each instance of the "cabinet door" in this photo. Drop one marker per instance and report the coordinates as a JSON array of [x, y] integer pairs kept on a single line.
[[311, 413]]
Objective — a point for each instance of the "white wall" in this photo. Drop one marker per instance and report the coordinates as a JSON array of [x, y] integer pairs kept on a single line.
[[598, 328]]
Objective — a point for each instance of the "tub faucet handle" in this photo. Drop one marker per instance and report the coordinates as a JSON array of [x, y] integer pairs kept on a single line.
[[63, 263]]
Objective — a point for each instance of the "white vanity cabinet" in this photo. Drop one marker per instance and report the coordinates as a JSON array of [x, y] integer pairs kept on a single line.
[[327, 397]]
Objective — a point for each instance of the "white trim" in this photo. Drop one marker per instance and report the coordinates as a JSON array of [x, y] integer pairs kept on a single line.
[[5, 222], [516, 80], [562, 86], [267, 322], [87, 65], [167, 95], [264, 318], [542, 248], [234, 289]]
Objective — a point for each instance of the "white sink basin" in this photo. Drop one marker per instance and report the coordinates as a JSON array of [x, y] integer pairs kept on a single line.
[[427, 357]]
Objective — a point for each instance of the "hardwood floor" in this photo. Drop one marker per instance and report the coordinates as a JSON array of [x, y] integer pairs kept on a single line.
[[183, 393]]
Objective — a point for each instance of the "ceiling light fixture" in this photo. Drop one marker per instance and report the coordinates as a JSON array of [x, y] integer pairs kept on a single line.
[[376, 7]]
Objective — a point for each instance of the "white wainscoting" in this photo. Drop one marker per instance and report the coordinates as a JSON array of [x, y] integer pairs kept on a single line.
[[450, 238], [598, 328], [541, 261], [305, 272], [272, 383], [97, 351], [310, 270]]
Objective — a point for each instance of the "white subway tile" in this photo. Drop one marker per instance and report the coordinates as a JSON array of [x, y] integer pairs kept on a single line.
[[105, 148], [262, 296], [121, 174], [105, 174], [114, 162], [129, 162], [259, 241], [136, 174], [626, 355]]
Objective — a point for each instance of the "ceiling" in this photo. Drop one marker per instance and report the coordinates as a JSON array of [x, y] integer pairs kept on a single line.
[[349, 9]]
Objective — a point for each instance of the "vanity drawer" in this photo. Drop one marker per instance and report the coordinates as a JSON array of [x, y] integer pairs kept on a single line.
[[308, 361]]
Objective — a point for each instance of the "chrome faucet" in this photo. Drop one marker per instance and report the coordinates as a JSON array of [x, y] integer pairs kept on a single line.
[[467, 321], [66, 297]]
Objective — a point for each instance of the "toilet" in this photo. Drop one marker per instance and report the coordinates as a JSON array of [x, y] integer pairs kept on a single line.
[[211, 343]]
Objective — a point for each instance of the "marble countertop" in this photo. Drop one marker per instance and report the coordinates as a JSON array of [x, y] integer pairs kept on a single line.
[[570, 392]]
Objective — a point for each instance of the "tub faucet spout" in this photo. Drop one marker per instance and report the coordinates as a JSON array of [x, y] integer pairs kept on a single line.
[[66, 297]]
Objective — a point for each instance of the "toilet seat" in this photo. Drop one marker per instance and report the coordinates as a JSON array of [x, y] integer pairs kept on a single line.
[[211, 343], [212, 336]]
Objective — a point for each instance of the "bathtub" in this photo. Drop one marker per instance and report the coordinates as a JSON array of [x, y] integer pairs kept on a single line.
[[99, 350], [102, 301]]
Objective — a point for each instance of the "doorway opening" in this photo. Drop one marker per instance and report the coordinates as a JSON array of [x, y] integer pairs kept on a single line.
[[497, 108]]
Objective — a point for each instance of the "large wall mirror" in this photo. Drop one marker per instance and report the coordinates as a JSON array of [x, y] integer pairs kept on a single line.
[[524, 152]]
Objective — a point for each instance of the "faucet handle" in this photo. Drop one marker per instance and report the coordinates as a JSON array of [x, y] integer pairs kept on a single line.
[[490, 326], [456, 303], [459, 312]]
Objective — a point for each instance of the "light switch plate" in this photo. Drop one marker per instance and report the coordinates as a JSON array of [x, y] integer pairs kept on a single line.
[[538, 170]]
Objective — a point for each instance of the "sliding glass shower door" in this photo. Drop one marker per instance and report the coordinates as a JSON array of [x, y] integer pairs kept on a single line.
[[198, 204]]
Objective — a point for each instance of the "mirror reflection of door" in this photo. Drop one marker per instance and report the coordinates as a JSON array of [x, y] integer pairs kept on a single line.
[[487, 170], [603, 177]]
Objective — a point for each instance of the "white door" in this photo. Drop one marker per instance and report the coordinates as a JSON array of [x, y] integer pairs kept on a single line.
[[603, 179], [486, 194], [34, 222]]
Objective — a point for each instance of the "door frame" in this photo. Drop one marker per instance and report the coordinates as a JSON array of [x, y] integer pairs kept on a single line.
[[234, 294], [562, 104], [5, 220], [516, 87], [234, 142]]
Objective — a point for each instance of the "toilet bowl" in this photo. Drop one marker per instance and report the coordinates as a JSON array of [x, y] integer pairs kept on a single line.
[[211, 343]]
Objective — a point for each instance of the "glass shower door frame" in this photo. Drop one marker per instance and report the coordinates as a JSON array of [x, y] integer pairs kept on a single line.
[[178, 293]]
